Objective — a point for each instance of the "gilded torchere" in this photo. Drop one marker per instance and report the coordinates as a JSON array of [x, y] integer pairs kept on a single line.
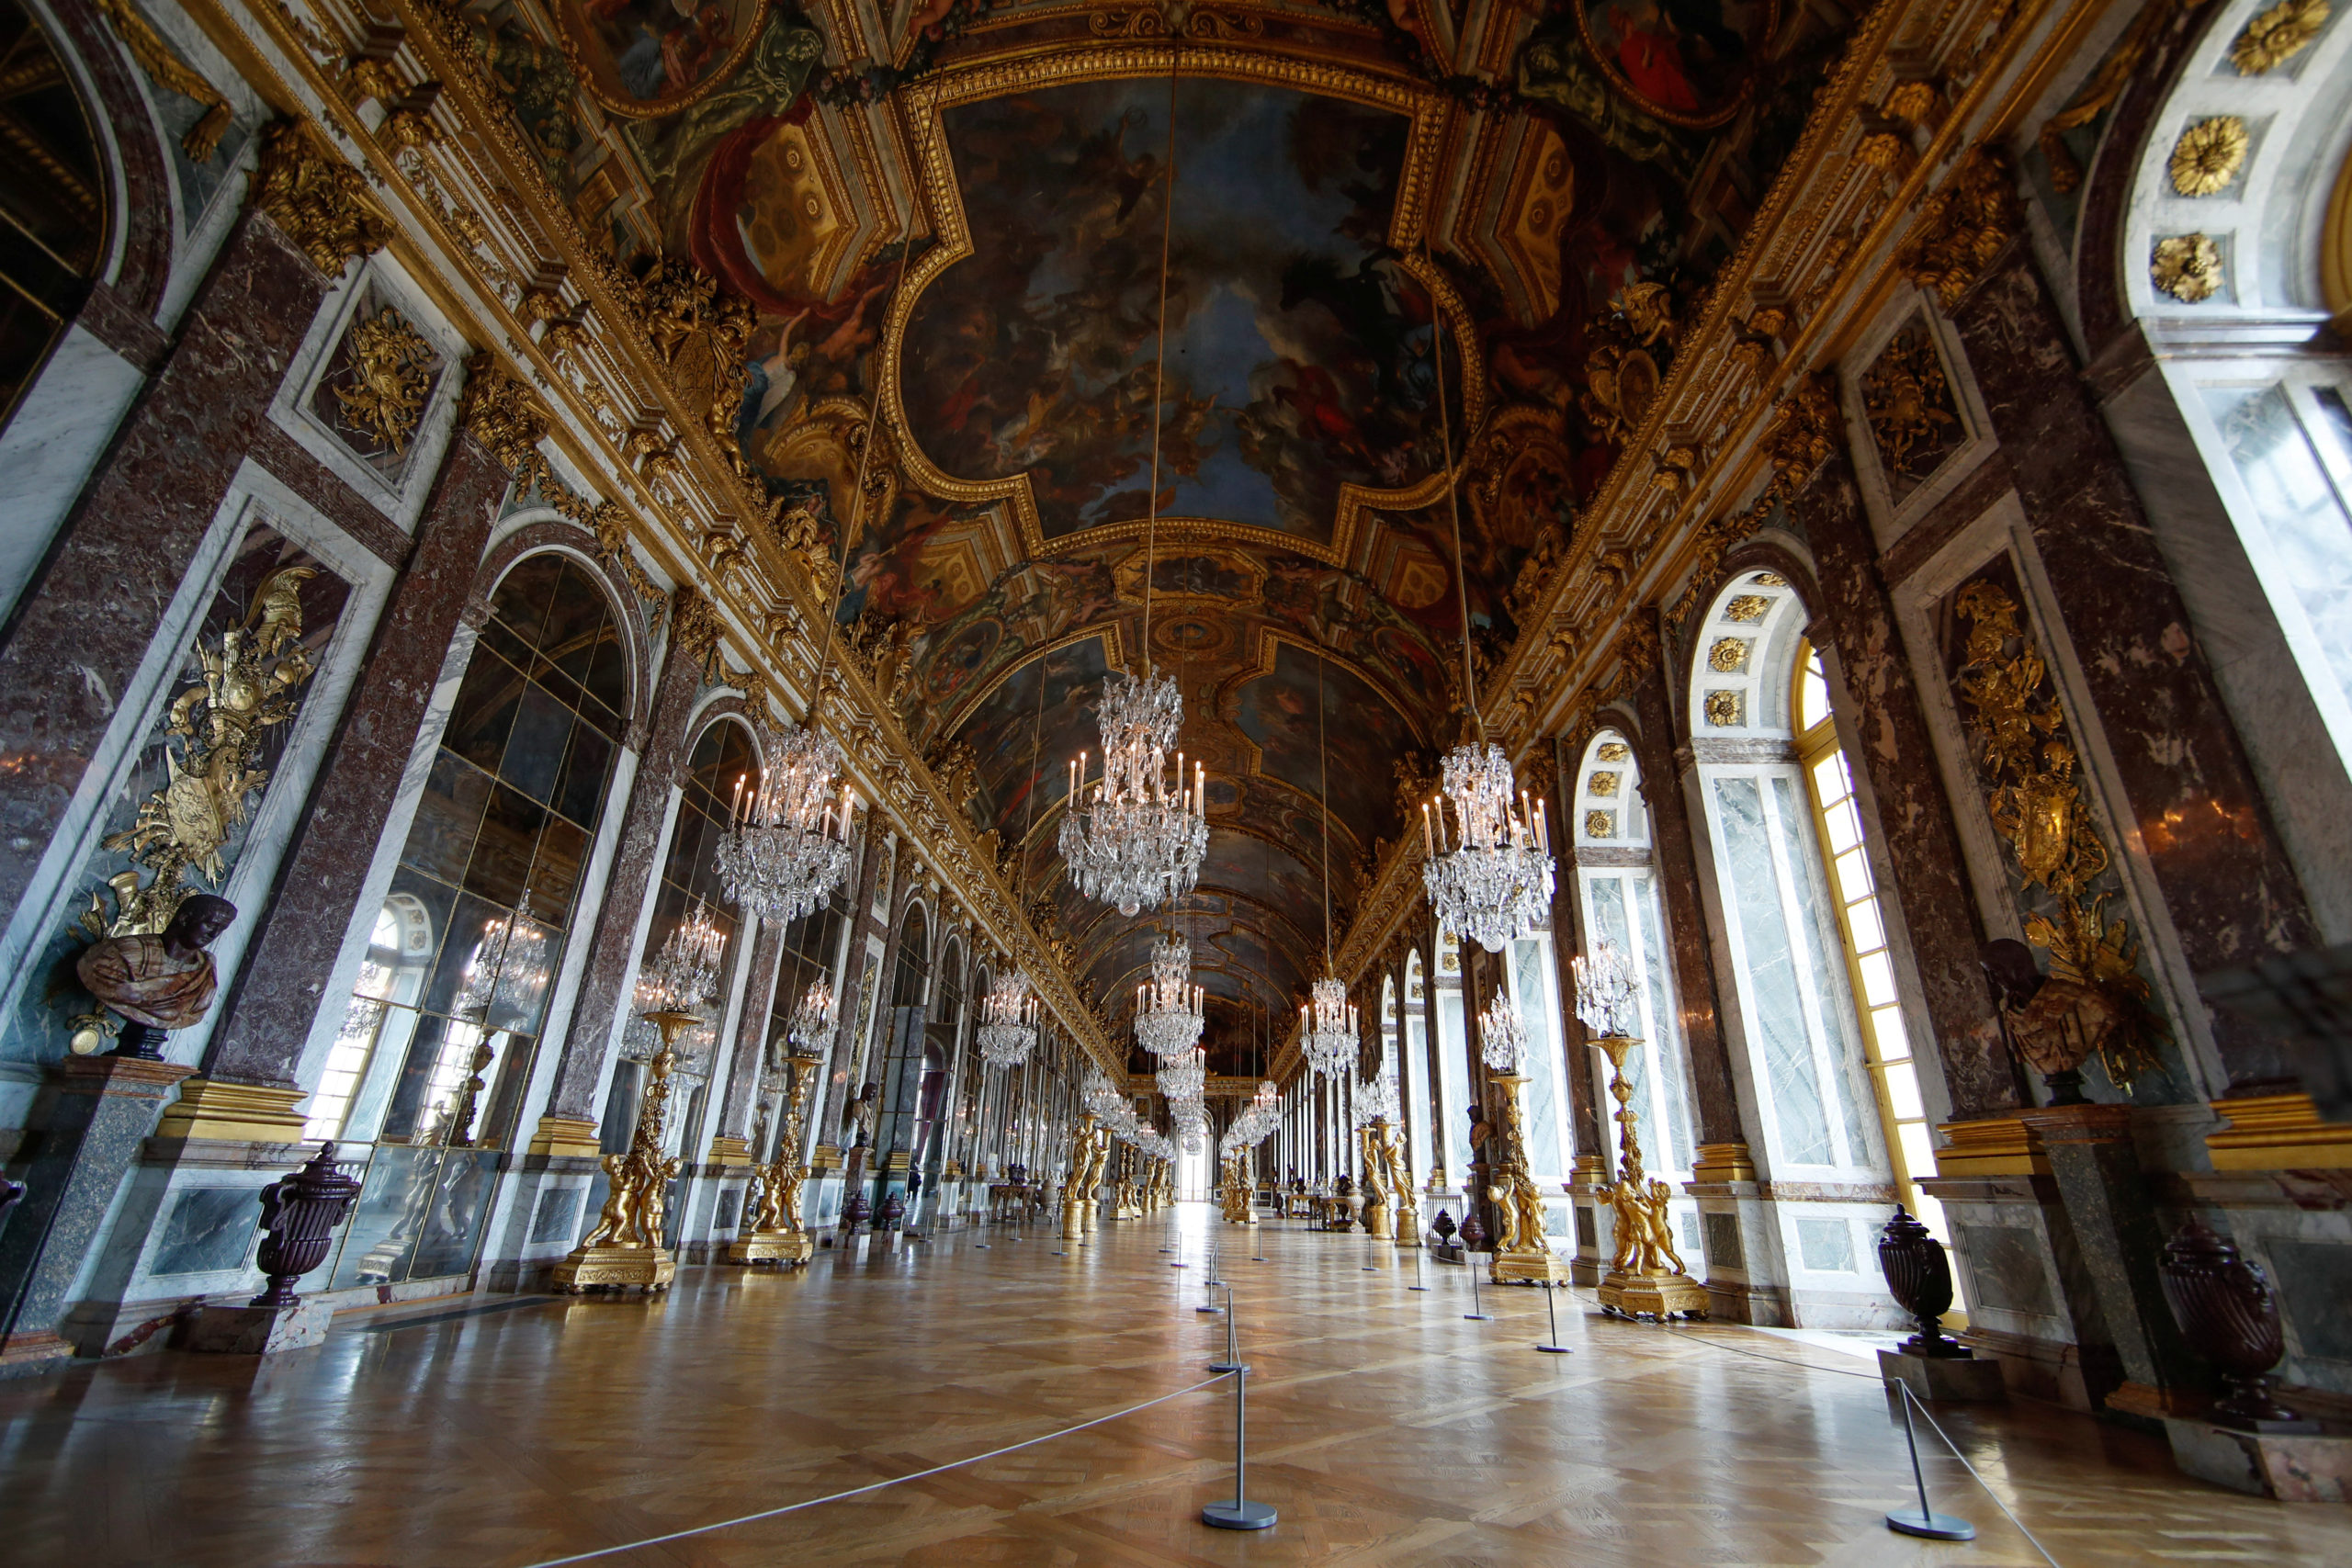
[[1085, 1170], [1645, 1277], [1377, 1185], [625, 1250], [776, 1235], [1520, 1256], [1233, 1192], [1384, 1152]]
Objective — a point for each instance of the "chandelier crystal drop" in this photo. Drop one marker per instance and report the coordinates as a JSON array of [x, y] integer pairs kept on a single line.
[[1138, 839], [1167, 1006], [1009, 1015], [1257, 1119], [1489, 878], [812, 1024], [1184, 1078], [1608, 991], [1327, 1028], [1375, 1100], [787, 844], [1502, 1038], [508, 967]]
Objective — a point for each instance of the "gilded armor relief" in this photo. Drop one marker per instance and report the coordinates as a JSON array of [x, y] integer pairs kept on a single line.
[[1914, 421]]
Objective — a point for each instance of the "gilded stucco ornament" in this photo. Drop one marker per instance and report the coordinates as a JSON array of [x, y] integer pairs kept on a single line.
[[1615, 752], [253, 681], [500, 412], [322, 202], [1600, 823], [2278, 36], [2187, 266], [391, 366], [1728, 656], [1745, 608], [1602, 783], [167, 71], [2025, 754], [1726, 710], [1908, 403], [1963, 226], [2208, 155]]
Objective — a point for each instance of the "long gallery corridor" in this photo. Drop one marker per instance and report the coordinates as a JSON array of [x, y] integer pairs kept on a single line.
[[1384, 1426]]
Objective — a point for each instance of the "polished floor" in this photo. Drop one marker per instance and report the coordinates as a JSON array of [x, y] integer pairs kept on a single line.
[[1384, 1427]]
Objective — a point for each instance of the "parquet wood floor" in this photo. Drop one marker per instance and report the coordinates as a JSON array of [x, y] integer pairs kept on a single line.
[[1385, 1428]]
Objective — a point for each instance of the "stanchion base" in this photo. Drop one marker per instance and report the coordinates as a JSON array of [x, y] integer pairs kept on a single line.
[[1226, 1368], [1934, 1527], [1417, 1287], [1478, 1316], [1555, 1349], [1239, 1516], [1208, 1309]]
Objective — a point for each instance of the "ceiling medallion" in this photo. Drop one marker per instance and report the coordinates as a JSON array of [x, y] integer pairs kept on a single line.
[[2208, 155], [787, 844], [1167, 1006], [1009, 1016], [1139, 841]]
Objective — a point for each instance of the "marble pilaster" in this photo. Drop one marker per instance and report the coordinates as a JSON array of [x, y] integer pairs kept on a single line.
[[739, 1110], [1937, 910], [2205, 830]]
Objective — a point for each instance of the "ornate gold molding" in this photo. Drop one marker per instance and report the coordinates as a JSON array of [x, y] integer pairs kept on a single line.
[[1965, 225], [322, 202]]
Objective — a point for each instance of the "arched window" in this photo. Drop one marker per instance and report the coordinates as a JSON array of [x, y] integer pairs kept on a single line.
[[1618, 897], [1869, 965], [1453, 1059], [1788, 968], [445, 1023], [903, 1062], [52, 204]]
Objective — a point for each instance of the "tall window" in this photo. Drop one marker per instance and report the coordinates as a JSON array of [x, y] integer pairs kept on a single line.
[[1869, 966], [1617, 889], [52, 203], [1788, 967], [1453, 1059], [438, 1041], [902, 1074]]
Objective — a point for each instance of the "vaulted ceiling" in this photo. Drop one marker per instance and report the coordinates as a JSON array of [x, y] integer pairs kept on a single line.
[[1395, 233]]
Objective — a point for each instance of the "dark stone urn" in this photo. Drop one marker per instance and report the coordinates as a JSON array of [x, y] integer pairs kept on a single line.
[[2228, 1315], [857, 1212], [1444, 1225], [1918, 1276], [1473, 1232], [300, 1211], [894, 1210]]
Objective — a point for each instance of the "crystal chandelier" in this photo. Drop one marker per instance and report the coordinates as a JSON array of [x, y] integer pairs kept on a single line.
[[812, 1024], [1608, 991], [1257, 1119], [1490, 879], [1139, 840], [1167, 1006], [1375, 1100], [1184, 1078], [787, 842], [1009, 1017], [508, 967], [1327, 1028], [1502, 1038], [1191, 1125]]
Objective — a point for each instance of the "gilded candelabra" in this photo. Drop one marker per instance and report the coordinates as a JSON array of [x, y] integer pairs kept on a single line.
[[1384, 1151], [776, 1235], [1379, 1188], [625, 1250], [1233, 1192], [1520, 1256], [1088, 1145], [1645, 1277]]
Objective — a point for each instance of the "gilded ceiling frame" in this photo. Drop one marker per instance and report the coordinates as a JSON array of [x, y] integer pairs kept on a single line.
[[1061, 65]]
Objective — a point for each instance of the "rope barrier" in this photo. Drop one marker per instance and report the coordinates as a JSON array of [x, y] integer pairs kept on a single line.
[[873, 1486]]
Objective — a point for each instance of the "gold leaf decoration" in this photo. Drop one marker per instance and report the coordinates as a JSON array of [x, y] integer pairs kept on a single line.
[[1602, 783], [319, 201], [1908, 403], [1745, 608], [2278, 36], [1963, 226], [170, 72], [2187, 266], [253, 681], [392, 366], [1726, 710], [1728, 656], [2208, 155], [2027, 756], [1601, 824], [1615, 752]]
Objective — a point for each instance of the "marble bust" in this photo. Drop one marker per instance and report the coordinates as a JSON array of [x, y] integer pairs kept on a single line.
[[163, 982]]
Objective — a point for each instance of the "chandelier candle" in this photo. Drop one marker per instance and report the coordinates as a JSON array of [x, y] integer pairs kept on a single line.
[[1491, 877], [1167, 1006], [1137, 840], [789, 840]]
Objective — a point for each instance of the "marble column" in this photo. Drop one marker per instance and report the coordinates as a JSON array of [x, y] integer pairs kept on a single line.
[[1933, 900], [82, 628], [275, 1001], [86, 1127], [569, 1120], [2231, 894]]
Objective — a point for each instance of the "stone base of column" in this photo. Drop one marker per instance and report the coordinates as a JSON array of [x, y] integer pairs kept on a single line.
[[259, 1331], [565, 1137], [234, 1112], [2293, 1469], [1944, 1377], [32, 1352]]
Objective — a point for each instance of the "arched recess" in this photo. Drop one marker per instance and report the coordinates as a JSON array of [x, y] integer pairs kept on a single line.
[[56, 200], [1619, 902], [906, 1050], [943, 1023], [2233, 259], [1798, 1046], [424, 1080]]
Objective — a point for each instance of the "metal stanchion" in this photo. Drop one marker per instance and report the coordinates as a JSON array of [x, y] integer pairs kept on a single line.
[[1240, 1514], [1232, 1362], [1926, 1522], [1209, 1284], [1552, 1313], [1259, 1230], [1420, 1266], [1474, 1314]]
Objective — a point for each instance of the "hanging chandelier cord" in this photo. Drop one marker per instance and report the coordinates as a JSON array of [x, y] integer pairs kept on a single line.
[[857, 496], [1160, 367], [1029, 807], [1323, 775], [1452, 491]]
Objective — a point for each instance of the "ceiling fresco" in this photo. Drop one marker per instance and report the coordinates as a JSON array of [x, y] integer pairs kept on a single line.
[[957, 206]]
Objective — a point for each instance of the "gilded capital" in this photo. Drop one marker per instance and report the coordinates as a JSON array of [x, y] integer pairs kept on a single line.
[[322, 202]]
